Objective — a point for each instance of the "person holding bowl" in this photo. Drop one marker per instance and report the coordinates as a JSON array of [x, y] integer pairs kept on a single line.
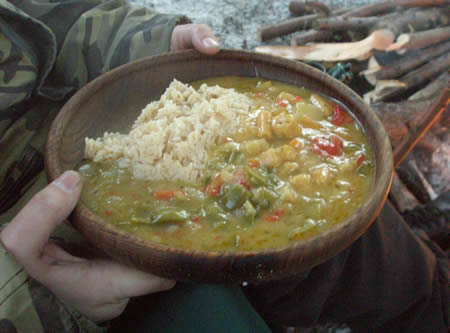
[[389, 280]]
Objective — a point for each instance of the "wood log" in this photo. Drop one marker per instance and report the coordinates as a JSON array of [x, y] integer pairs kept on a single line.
[[291, 25], [413, 178], [420, 40], [303, 37], [385, 6], [297, 7], [410, 80], [415, 133], [344, 23], [400, 196], [410, 61], [417, 19]]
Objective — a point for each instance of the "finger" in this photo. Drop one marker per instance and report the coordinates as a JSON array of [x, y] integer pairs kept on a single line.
[[28, 233], [196, 36], [100, 282]]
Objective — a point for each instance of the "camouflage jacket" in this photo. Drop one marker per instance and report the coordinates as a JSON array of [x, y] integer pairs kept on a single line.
[[48, 50]]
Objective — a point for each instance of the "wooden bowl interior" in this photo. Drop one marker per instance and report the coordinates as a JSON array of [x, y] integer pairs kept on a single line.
[[113, 102]]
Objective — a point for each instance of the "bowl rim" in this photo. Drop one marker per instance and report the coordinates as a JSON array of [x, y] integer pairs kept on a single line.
[[330, 238]]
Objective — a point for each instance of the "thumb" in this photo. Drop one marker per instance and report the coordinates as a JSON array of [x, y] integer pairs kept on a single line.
[[28, 233], [198, 36]]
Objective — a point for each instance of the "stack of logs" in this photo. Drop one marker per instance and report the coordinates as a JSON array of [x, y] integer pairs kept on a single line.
[[399, 49]]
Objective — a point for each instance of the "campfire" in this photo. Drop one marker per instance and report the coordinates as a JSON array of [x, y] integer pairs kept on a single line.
[[399, 56]]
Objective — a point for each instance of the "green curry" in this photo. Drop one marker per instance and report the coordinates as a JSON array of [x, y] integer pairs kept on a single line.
[[301, 165]]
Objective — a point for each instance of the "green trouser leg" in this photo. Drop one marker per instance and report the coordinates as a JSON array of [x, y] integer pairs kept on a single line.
[[192, 309]]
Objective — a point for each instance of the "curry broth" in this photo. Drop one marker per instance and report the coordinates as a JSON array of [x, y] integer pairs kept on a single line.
[[299, 165]]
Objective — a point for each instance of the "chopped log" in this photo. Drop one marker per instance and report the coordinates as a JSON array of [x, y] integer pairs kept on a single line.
[[431, 89], [385, 6], [401, 197], [417, 132], [410, 80], [407, 63], [416, 19], [344, 23], [297, 7], [360, 50], [303, 37], [420, 40], [291, 25], [414, 179]]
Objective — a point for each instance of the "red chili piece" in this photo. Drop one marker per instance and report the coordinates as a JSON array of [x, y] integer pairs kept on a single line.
[[331, 146]]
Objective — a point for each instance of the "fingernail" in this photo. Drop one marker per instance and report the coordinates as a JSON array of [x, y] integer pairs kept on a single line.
[[68, 181], [210, 43]]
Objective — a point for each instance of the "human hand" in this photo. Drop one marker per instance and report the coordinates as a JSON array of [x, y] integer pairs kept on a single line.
[[99, 289], [198, 36]]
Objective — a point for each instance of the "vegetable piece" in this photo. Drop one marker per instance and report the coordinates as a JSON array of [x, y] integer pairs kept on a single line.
[[234, 195], [236, 157], [321, 175], [282, 103], [287, 153], [301, 182], [248, 211], [296, 144], [360, 160], [253, 163], [254, 147], [263, 197], [263, 123], [275, 216], [284, 125], [168, 195], [170, 214], [216, 183], [216, 213], [271, 158], [331, 146], [322, 104], [365, 168], [309, 110], [256, 176], [309, 123], [338, 115], [286, 96], [287, 169]]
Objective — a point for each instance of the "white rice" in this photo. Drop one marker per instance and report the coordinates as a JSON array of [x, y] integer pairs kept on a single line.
[[171, 138]]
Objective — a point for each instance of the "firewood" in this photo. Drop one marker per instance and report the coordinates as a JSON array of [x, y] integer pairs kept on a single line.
[[344, 23], [405, 64], [401, 197], [297, 7], [410, 80], [414, 179], [385, 6], [431, 89], [414, 135], [303, 37], [360, 50], [420, 40], [291, 25], [417, 19]]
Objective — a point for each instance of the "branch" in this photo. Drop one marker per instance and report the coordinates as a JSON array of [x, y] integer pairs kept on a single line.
[[344, 23], [408, 62], [301, 7], [419, 40], [303, 37], [411, 80], [385, 6]]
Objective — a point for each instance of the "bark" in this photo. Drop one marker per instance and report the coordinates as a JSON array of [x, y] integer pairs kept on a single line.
[[303, 37], [297, 7], [410, 61], [344, 23], [385, 6], [411, 80], [420, 40]]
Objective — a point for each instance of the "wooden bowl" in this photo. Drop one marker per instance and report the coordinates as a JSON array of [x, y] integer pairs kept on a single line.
[[113, 101]]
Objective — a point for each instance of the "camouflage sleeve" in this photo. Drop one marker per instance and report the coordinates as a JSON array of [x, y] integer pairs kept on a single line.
[[95, 37]]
